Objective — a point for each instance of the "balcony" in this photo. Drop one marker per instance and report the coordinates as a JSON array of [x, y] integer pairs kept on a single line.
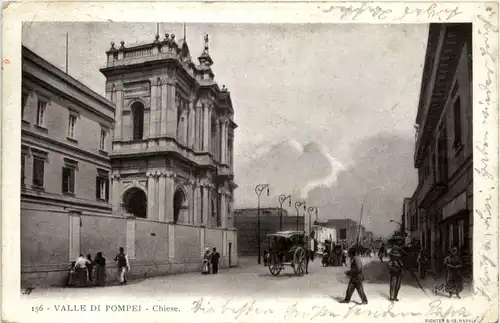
[[431, 189]]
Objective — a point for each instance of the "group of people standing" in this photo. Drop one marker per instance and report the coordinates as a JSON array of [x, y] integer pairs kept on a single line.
[[210, 262], [85, 272]]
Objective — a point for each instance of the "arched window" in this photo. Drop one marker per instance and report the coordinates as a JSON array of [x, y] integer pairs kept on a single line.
[[135, 202], [137, 120], [179, 201]]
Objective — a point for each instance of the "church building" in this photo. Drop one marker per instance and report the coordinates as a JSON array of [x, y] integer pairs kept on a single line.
[[157, 179]]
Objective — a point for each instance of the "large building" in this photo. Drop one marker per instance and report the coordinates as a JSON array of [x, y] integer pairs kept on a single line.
[[443, 150], [149, 168], [246, 223]]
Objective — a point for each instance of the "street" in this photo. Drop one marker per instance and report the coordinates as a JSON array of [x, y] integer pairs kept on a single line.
[[250, 280]]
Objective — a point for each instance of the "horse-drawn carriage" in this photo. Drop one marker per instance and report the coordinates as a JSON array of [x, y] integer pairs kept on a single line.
[[332, 254], [288, 248]]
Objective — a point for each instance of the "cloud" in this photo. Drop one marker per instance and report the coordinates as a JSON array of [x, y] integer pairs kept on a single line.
[[328, 180]]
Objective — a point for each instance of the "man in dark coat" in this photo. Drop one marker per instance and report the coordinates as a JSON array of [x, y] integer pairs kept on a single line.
[[381, 252], [356, 278], [215, 261], [395, 273]]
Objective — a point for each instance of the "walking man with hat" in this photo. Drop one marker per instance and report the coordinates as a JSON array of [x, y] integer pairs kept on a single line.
[[356, 278], [395, 273]]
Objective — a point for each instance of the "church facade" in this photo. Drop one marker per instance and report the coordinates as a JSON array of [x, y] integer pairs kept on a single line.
[[163, 186]]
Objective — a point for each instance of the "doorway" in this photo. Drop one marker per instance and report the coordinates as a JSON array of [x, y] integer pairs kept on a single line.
[[230, 251]]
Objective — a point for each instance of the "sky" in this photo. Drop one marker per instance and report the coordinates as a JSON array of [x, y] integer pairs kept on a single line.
[[333, 84]]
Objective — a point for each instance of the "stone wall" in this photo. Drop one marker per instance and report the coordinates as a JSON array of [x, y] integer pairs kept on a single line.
[[51, 239], [246, 226]]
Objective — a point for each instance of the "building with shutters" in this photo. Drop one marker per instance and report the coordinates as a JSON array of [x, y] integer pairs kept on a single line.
[[148, 168], [443, 150], [65, 166]]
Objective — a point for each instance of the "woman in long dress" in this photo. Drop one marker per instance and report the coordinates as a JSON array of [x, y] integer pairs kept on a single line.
[[206, 262], [100, 269], [90, 268], [453, 264]]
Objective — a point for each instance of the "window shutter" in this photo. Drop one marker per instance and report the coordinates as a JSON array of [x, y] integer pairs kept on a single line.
[[107, 189], [97, 190]]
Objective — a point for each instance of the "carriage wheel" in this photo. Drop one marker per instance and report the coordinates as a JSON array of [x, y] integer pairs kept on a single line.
[[299, 261], [274, 264]]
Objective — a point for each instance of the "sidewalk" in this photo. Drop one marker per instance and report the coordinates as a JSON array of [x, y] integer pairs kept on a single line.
[[435, 285]]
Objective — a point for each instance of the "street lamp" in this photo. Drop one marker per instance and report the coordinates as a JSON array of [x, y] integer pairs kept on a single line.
[[401, 227], [298, 204], [258, 190], [310, 210], [281, 199]]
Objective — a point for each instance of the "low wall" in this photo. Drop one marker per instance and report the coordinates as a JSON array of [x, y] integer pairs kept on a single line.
[[51, 239]]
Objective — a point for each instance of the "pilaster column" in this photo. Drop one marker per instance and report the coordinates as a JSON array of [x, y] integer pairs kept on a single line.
[[218, 141], [185, 125], [119, 111], [153, 108], [162, 196], [109, 91], [192, 125], [115, 192], [205, 204], [169, 196], [199, 126], [163, 107], [223, 210], [197, 203], [206, 129], [151, 195], [223, 143], [172, 104], [189, 197]]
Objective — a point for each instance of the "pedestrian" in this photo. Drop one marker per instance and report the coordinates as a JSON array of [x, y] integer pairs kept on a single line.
[[356, 278], [205, 262], [81, 271], [395, 274], [123, 266], [90, 268], [422, 263], [344, 257], [100, 269], [454, 281], [266, 257], [215, 261], [72, 277], [381, 252]]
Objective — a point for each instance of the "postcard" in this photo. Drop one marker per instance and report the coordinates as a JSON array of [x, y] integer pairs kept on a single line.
[[250, 161]]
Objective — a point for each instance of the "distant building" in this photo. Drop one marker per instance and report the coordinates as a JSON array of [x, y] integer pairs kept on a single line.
[[245, 222], [322, 233], [347, 230], [369, 238], [443, 149]]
